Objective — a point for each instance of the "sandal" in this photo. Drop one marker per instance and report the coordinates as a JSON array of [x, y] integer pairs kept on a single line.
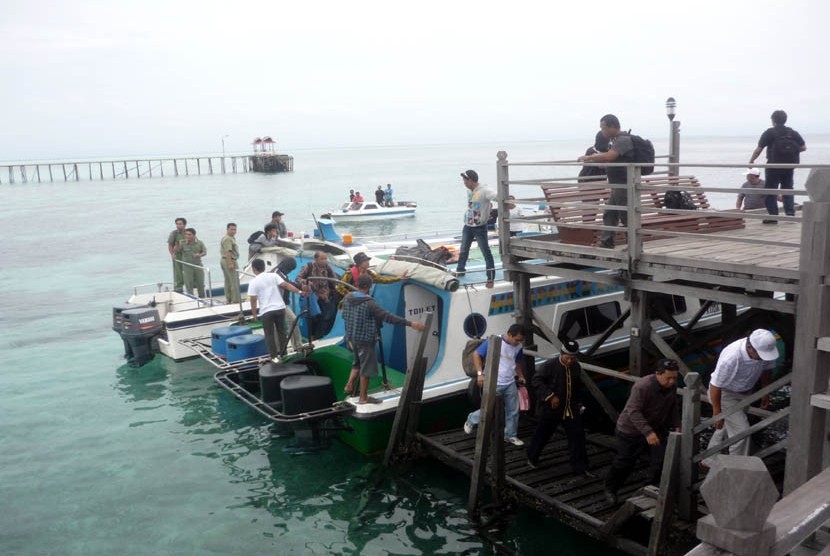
[[370, 399]]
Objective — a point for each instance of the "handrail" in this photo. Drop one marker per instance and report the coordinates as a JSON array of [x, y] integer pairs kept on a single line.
[[209, 288], [746, 402]]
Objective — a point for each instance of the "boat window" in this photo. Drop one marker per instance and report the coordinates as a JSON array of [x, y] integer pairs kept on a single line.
[[355, 206], [475, 325], [588, 321], [370, 206], [674, 304]]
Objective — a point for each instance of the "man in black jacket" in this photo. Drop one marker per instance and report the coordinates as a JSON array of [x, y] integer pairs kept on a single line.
[[558, 386]]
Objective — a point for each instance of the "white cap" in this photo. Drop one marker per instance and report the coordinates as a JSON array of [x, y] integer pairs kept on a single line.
[[764, 343], [753, 171]]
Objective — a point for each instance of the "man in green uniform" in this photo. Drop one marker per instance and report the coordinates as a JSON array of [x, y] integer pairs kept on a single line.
[[192, 251], [174, 242], [230, 253]]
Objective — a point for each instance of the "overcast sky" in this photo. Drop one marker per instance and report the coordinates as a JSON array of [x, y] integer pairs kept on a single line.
[[108, 78]]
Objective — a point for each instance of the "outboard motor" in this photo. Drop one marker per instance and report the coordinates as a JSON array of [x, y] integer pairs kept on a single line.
[[140, 329], [117, 325]]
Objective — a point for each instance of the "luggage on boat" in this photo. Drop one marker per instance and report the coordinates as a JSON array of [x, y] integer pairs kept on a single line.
[[245, 347], [140, 329], [219, 338], [422, 253]]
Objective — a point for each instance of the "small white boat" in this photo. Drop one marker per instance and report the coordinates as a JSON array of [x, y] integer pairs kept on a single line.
[[368, 210]]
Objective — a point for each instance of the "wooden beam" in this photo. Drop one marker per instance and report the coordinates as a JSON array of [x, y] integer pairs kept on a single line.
[[689, 418], [664, 510], [598, 395], [666, 350], [488, 403], [640, 331], [715, 295]]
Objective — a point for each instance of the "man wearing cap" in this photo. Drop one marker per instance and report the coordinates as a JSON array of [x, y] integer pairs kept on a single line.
[[558, 388], [363, 317], [751, 201], [359, 268], [475, 225], [276, 220], [739, 367], [651, 412], [620, 146], [511, 362]]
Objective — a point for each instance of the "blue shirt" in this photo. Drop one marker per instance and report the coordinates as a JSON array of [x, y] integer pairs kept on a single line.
[[510, 355]]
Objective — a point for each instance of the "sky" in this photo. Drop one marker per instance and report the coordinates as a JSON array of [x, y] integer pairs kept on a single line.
[[90, 79]]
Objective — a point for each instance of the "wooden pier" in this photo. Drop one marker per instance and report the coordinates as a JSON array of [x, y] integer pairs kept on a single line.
[[142, 168], [758, 274]]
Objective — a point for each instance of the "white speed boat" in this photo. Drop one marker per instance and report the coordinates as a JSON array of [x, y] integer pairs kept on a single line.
[[368, 210]]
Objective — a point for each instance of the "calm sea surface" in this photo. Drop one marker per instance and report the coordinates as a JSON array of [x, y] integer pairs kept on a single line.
[[98, 458]]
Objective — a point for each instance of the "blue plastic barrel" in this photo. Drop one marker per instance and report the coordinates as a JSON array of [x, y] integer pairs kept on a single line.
[[219, 338], [246, 346]]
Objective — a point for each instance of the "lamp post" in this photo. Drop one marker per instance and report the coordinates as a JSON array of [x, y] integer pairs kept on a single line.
[[674, 136], [223, 152]]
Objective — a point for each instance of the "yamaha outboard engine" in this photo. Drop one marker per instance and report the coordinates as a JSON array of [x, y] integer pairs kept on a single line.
[[117, 325], [140, 329]]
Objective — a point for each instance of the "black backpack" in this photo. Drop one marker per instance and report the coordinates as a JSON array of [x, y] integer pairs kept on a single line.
[[785, 148], [643, 152], [253, 237], [678, 200]]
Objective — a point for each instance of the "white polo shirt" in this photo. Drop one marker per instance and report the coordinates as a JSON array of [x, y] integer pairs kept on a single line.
[[266, 287], [736, 371]]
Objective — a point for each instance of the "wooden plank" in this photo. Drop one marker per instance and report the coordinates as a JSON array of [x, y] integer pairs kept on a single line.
[[598, 395], [820, 400], [488, 402], [665, 503], [800, 513]]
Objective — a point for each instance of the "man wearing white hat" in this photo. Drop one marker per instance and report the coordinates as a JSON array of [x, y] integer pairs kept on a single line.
[[750, 201], [739, 367]]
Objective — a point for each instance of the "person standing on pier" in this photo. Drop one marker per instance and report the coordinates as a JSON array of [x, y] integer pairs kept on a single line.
[[192, 252], [229, 252], [620, 149], [650, 413], [740, 365], [174, 246], [363, 317], [558, 388], [475, 225], [784, 146], [511, 362], [750, 201], [276, 220], [267, 303]]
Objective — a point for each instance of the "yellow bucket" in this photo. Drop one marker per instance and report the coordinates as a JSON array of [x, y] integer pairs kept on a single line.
[[347, 239]]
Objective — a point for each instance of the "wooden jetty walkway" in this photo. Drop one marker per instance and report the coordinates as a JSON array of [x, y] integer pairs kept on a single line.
[[750, 270], [143, 168]]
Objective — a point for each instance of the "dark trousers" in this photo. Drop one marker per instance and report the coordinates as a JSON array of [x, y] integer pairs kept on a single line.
[[322, 323], [273, 327], [548, 422], [479, 233], [614, 217], [782, 177], [629, 449]]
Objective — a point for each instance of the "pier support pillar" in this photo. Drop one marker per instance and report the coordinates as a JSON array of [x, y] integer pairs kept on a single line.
[[808, 426], [640, 331]]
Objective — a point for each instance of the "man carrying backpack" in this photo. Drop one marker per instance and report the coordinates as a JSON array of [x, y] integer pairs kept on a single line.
[[784, 146], [622, 147]]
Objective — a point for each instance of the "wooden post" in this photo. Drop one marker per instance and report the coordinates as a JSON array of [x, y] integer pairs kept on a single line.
[[126, 172], [101, 170], [11, 174], [75, 169], [175, 168], [411, 393], [665, 502], [198, 166], [808, 429], [640, 331], [150, 168], [186, 168], [50, 173], [503, 190], [690, 417], [89, 167], [488, 403], [635, 238], [23, 177], [137, 170], [63, 166], [233, 164], [210, 166], [37, 171], [497, 453], [161, 167], [113, 169]]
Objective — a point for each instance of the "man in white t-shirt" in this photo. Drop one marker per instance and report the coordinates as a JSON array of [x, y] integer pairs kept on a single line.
[[739, 367], [267, 302], [511, 361]]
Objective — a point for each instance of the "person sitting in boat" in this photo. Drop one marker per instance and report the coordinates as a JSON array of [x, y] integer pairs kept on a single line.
[[558, 386], [317, 274], [379, 195], [267, 239], [511, 362], [361, 268], [363, 317], [192, 252], [276, 220], [358, 198], [387, 196]]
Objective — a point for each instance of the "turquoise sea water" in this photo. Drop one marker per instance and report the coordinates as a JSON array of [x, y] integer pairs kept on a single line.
[[99, 458]]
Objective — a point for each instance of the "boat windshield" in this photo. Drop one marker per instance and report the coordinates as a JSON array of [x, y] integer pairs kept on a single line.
[[354, 206]]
